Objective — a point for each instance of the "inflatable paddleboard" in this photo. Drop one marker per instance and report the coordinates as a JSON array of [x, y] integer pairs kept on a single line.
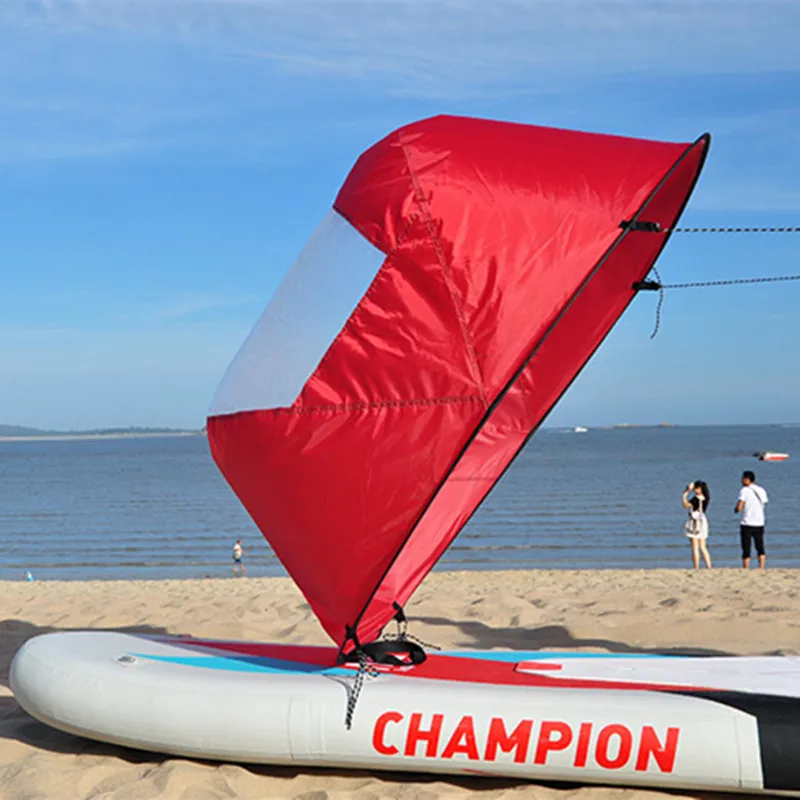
[[728, 724]]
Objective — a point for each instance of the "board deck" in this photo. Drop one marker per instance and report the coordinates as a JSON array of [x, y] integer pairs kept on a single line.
[[729, 723], [780, 674]]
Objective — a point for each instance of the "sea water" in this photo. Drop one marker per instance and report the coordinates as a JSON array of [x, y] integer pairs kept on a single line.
[[608, 498]]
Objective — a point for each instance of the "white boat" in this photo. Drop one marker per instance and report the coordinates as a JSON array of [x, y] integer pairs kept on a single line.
[[769, 455], [579, 429]]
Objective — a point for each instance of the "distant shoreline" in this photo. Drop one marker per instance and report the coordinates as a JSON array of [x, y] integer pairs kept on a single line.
[[74, 437]]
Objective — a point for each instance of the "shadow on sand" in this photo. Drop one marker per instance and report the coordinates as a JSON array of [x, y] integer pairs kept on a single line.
[[551, 637]]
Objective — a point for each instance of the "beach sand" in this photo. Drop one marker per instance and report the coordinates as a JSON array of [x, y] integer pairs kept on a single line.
[[639, 611]]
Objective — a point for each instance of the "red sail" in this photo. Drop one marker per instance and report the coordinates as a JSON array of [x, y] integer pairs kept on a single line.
[[467, 272]]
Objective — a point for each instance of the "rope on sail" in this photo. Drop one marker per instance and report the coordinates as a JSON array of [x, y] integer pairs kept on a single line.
[[738, 230], [653, 286], [403, 635], [658, 286]]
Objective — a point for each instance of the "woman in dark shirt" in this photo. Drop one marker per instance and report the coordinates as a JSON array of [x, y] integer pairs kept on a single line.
[[697, 524]]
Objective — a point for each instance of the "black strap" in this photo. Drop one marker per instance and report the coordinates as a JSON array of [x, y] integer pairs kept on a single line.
[[388, 651], [384, 651]]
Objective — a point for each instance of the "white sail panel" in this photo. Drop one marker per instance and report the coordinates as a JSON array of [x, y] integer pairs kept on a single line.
[[316, 297]]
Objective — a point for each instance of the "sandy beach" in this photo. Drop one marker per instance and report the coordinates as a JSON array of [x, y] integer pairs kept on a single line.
[[725, 611]]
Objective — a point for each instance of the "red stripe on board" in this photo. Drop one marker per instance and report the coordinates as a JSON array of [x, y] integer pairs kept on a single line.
[[444, 668]]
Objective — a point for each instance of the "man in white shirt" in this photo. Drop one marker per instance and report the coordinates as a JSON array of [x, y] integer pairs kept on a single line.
[[752, 499]]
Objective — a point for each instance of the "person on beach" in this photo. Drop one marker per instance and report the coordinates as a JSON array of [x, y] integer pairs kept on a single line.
[[238, 553], [697, 524], [751, 502]]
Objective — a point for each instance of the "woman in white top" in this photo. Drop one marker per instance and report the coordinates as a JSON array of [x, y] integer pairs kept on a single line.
[[697, 524]]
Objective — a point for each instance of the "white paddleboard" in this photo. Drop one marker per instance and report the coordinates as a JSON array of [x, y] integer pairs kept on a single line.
[[702, 723]]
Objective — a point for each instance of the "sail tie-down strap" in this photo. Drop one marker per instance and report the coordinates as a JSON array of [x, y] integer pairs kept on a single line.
[[382, 651]]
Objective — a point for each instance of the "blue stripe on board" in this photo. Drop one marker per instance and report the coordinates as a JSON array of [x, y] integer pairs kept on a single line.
[[246, 664]]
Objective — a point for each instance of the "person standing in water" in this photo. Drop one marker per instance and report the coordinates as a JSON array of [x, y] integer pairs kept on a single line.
[[238, 553], [697, 524], [752, 499]]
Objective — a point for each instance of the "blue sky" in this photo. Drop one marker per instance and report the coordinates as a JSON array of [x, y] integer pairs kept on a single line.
[[162, 163]]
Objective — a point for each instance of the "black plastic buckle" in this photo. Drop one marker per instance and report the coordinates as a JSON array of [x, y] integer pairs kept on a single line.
[[645, 286], [641, 225]]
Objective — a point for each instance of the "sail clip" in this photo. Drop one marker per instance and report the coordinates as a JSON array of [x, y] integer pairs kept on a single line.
[[646, 286], [645, 226]]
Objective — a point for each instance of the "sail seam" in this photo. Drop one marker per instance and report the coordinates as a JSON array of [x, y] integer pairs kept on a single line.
[[421, 402], [419, 197]]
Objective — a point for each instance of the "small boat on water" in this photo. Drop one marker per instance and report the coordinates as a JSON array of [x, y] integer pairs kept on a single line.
[[580, 429], [768, 455]]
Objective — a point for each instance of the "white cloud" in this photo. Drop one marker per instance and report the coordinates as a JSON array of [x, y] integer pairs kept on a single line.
[[447, 46], [429, 48], [111, 78], [450, 35]]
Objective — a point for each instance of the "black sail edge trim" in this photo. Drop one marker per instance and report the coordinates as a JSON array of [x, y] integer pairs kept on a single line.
[[705, 140]]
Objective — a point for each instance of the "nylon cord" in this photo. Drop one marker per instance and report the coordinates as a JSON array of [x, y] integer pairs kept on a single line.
[[660, 287], [738, 230], [364, 671], [730, 282]]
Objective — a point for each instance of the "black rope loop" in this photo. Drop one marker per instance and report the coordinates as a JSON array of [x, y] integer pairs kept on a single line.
[[660, 303], [651, 286]]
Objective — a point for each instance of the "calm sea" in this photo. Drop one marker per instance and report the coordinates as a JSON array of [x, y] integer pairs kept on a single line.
[[158, 507]]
